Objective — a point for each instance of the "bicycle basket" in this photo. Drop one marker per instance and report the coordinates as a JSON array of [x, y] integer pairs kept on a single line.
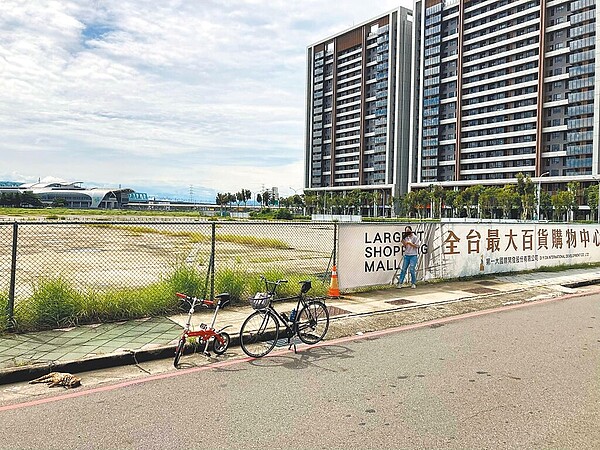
[[260, 300]]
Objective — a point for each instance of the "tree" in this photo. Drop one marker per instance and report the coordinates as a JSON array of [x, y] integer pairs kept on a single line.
[[284, 214], [266, 197], [573, 188], [221, 200], [310, 200], [561, 202], [436, 197], [450, 200], [354, 201], [28, 198], [401, 205], [285, 202], [59, 202], [390, 203], [421, 202], [366, 198], [526, 189], [417, 201], [471, 199], [376, 200], [591, 198], [545, 204], [336, 203], [461, 202], [508, 199], [297, 202], [488, 201], [230, 198], [239, 198]]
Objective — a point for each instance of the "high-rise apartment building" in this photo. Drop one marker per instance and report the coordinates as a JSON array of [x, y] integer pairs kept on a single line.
[[358, 108], [503, 87]]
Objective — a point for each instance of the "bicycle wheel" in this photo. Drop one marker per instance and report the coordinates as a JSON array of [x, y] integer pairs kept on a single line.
[[179, 351], [259, 333], [219, 348], [313, 322]]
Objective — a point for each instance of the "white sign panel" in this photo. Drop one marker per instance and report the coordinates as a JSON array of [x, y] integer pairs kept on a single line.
[[470, 249], [371, 254]]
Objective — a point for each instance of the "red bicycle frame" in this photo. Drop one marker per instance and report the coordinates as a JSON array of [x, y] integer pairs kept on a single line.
[[205, 333]]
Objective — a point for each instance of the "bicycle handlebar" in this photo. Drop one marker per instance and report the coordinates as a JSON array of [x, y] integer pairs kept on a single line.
[[262, 277], [203, 302]]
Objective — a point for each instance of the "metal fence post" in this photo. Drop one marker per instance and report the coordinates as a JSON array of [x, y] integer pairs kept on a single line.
[[335, 227], [212, 261], [10, 310], [333, 256]]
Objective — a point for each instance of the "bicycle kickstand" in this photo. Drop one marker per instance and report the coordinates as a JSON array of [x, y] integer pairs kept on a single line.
[[205, 351], [291, 344]]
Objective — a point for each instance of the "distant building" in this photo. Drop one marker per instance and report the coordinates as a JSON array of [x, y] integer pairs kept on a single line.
[[74, 195], [506, 87], [358, 108]]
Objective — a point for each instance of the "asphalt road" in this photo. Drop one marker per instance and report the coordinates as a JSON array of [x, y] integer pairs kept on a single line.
[[524, 378]]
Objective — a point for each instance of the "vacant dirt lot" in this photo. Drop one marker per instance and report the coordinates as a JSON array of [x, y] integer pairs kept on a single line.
[[102, 255]]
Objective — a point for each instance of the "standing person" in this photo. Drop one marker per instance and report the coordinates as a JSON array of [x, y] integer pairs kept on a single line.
[[411, 244]]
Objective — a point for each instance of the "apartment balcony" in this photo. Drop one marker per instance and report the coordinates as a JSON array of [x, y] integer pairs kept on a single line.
[[494, 79], [506, 123], [495, 91], [505, 42], [501, 135], [485, 115], [555, 128], [560, 26], [502, 31], [497, 170], [507, 53]]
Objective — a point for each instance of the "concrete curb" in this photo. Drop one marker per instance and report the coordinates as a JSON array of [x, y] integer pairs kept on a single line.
[[32, 371], [29, 372]]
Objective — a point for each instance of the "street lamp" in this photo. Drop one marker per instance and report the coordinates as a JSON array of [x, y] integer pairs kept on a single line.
[[539, 193], [596, 179], [295, 193]]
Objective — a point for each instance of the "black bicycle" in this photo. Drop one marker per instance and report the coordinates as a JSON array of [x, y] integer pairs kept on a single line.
[[309, 320]]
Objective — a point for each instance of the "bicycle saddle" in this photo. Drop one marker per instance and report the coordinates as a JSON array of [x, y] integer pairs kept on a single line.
[[306, 285], [224, 298]]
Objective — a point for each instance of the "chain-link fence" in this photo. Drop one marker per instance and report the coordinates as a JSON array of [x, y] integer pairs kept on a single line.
[[61, 274]]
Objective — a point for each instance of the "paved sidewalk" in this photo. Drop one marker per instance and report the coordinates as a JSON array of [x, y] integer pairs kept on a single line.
[[89, 347]]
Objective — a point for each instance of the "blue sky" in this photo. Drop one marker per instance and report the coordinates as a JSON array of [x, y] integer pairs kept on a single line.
[[162, 96]]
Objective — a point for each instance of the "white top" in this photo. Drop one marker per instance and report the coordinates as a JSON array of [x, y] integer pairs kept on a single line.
[[413, 249]]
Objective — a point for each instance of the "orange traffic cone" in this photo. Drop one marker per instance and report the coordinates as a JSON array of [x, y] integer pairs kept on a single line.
[[334, 290]]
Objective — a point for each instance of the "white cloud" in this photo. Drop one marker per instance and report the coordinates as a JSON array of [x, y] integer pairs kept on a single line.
[[180, 93]]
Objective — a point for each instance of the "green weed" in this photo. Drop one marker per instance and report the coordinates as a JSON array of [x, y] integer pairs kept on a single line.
[[196, 237], [252, 240], [3, 312], [54, 303], [231, 281]]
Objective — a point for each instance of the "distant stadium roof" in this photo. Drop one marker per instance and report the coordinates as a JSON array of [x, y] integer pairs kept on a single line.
[[74, 194]]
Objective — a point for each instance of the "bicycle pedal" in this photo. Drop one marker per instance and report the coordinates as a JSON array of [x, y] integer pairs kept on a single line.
[[207, 354]]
